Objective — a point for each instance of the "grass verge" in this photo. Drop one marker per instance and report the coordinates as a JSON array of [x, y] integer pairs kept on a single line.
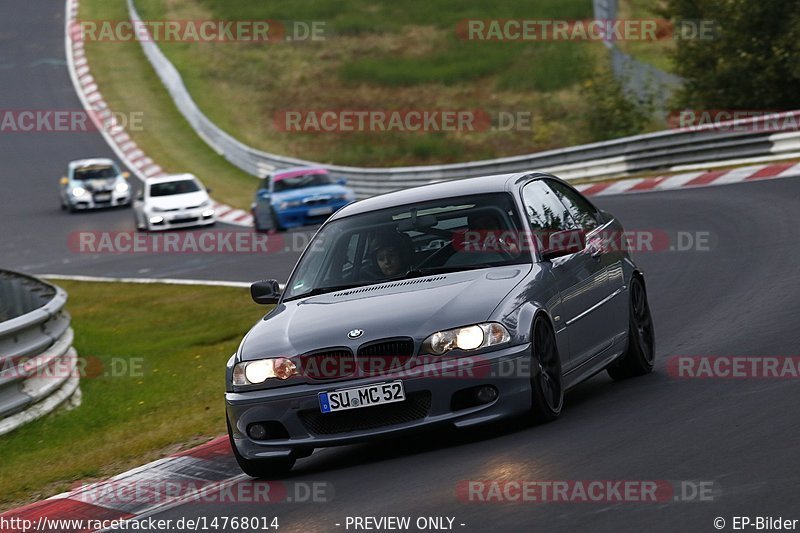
[[153, 361], [129, 85], [387, 57]]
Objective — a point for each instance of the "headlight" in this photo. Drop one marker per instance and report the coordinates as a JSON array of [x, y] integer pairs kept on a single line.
[[255, 372], [287, 205], [122, 187], [466, 338], [156, 209], [77, 192]]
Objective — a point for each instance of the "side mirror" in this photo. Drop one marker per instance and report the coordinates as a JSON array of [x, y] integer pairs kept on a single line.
[[126, 174], [63, 180], [266, 291], [342, 181], [561, 243], [209, 190], [140, 195]]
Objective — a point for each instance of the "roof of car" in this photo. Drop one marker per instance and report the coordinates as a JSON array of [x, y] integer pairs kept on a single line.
[[443, 189], [172, 177], [78, 163]]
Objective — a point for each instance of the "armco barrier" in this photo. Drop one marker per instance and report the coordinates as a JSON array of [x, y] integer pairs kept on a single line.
[[618, 157], [38, 365]]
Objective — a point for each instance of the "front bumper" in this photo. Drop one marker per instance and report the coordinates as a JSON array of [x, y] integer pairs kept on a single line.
[[181, 219], [307, 215], [97, 201], [429, 401]]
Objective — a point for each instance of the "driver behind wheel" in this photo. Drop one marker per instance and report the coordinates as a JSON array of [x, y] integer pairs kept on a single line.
[[393, 254]]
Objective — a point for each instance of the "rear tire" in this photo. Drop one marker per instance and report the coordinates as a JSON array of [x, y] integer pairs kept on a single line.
[[261, 468], [639, 357], [547, 387]]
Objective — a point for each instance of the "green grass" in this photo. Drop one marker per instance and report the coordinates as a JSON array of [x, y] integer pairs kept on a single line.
[[386, 56], [375, 56], [177, 339], [656, 53], [129, 85]]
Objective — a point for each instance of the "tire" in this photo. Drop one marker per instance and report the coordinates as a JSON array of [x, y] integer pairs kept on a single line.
[[547, 385], [276, 225], [639, 356], [262, 468]]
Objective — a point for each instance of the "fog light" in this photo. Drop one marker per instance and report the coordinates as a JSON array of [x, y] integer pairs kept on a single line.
[[486, 394], [156, 219], [208, 213], [257, 432]]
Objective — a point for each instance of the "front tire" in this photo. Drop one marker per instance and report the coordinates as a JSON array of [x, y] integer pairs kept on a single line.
[[547, 386], [261, 468], [640, 355]]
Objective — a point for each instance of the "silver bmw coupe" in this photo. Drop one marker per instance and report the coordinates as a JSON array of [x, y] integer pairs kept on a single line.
[[454, 303]]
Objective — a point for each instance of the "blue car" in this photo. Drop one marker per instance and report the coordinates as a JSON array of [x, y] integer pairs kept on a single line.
[[299, 196]]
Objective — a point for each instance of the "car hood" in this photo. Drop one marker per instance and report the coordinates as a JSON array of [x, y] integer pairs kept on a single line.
[[97, 184], [176, 201], [414, 308], [305, 192]]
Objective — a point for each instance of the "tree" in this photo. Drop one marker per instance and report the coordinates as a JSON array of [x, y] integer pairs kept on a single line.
[[751, 62]]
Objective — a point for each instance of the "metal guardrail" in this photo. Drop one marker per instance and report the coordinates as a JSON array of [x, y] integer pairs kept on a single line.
[[618, 157], [38, 365]]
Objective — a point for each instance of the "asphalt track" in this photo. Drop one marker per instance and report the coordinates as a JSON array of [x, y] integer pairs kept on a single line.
[[739, 298]]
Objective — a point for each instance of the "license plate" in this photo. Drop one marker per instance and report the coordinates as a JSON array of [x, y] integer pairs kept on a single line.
[[377, 394], [102, 197], [319, 211]]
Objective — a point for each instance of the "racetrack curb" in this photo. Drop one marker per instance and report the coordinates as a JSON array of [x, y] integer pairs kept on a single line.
[[202, 471], [114, 134], [704, 178]]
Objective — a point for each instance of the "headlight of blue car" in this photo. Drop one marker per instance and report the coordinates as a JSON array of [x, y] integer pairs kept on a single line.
[[288, 205]]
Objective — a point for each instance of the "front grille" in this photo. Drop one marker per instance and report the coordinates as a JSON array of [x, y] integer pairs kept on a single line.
[[415, 407], [330, 363], [183, 220], [385, 355]]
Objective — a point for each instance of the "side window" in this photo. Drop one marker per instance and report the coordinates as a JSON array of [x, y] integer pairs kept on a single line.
[[581, 210], [543, 208]]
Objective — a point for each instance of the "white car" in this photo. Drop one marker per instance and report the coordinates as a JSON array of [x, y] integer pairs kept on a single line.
[[176, 201], [94, 184]]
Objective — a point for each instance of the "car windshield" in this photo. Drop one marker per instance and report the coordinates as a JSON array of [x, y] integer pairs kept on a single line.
[[96, 172], [302, 180], [169, 188], [444, 235]]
